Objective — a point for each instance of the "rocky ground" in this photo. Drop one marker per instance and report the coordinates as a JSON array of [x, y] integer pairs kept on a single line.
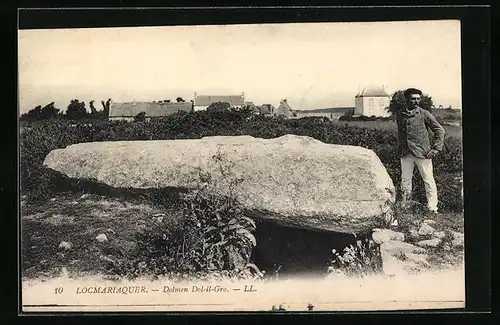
[[419, 240], [83, 234]]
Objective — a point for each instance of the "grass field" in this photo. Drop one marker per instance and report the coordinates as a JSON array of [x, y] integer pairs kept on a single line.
[[454, 131]]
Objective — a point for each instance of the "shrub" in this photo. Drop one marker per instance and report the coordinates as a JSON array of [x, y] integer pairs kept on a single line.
[[141, 117], [42, 113], [35, 144], [212, 236], [227, 238], [76, 110], [363, 118], [360, 260]]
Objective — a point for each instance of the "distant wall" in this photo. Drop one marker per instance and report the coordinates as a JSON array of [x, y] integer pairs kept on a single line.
[[128, 118], [121, 118], [200, 108], [331, 116]]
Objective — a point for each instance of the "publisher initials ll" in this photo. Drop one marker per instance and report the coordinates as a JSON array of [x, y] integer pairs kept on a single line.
[[249, 288]]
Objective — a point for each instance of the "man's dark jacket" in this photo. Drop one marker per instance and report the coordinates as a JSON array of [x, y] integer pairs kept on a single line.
[[413, 136]]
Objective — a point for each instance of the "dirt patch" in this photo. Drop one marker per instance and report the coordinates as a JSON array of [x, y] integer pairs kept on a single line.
[[69, 218]]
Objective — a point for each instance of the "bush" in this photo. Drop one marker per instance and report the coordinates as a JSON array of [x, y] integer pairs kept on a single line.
[[227, 241], [212, 237], [358, 260], [35, 144], [364, 118], [44, 136]]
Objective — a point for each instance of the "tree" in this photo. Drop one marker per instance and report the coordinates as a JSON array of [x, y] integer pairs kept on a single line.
[[398, 102], [105, 107], [49, 111], [102, 114], [180, 100], [40, 113], [93, 110], [141, 117], [33, 114], [250, 107], [426, 102], [76, 110]]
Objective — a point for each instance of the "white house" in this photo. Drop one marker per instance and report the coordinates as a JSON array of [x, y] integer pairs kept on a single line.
[[201, 102], [372, 101]]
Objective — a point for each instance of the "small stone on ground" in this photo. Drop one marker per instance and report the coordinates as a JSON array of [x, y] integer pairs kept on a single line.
[[65, 245], [425, 229], [380, 236], [429, 243], [439, 234], [102, 238]]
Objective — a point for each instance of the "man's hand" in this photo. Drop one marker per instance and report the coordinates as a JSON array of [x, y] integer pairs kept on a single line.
[[432, 153]]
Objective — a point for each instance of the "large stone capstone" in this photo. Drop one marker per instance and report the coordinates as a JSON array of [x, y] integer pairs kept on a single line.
[[294, 180]]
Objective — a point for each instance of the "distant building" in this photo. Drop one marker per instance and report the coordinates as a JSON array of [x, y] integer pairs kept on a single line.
[[284, 109], [128, 110], [201, 102], [372, 101], [251, 106]]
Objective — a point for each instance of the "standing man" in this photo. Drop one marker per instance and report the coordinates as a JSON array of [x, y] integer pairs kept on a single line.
[[415, 147]]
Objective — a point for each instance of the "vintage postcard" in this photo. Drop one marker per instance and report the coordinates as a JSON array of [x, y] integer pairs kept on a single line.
[[264, 167]]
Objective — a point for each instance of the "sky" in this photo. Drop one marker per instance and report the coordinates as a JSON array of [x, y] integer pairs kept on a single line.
[[312, 65]]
